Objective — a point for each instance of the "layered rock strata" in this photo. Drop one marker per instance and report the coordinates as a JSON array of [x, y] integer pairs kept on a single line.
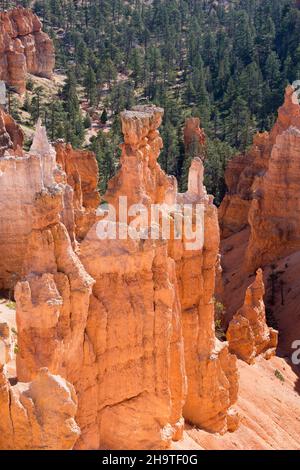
[[209, 364], [24, 48], [82, 173], [248, 334], [134, 320], [38, 415], [131, 323], [245, 170], [263, 190], [260, 222]]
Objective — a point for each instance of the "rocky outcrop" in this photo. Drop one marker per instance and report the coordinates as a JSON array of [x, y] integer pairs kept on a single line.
[[82, 173], [38, 415], [240, 174], [248, 334], [274, 215], [24, 48], [131, 323], [211, 369], [11, 136], [208, 363], [266, 185], [136, 335], [194, 138], [52, 297], [246, 174], [6, 344]]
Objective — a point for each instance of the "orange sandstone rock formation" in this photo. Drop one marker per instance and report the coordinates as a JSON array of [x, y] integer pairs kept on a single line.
[[248, 334], [24, 47], [11, 136], [82, 173], [211, 369], [134, 320], [266, 235], [274, 213], [252, 167], [209, 364], [125, 324], [194, 137], [38, 415]]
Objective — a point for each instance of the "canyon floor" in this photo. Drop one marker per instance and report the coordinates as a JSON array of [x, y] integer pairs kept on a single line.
[[269, 409]]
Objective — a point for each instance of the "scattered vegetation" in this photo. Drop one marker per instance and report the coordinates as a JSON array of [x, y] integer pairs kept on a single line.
[[11, 305], [226, 62], [279, 375], [219, 320]]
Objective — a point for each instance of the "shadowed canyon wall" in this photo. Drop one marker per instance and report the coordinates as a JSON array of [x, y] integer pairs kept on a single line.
[[260, 222]]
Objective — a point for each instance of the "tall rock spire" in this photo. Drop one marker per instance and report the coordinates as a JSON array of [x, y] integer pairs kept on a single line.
[[42, 148]]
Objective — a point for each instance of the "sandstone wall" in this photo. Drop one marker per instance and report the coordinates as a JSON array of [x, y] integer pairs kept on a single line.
[[131, 323], [24, 48], [82, 173], [263, 190], [209, 365]]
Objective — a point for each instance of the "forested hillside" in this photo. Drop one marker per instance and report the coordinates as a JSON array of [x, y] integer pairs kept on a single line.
[[224, 61]]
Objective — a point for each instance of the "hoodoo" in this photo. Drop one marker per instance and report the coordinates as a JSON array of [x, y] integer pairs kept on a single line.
[[260, 222], [24, 48], [141, 361], [248, 334]]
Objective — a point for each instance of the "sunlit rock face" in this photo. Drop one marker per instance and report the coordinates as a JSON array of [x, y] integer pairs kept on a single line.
[[194, 138], [134, 324], [274, 215], [127, 323], [24, 48], [263, 190], [248, 334], [38, 415], [11, 136], [179, 284], [82, 173]]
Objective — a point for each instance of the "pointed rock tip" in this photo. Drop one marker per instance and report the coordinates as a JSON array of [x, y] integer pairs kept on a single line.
[[291, 96], [40, 144]]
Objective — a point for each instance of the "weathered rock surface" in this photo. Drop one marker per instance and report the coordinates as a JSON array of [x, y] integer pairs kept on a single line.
[[82, 173], [134, 323], [274, 214], [211, 369], [38, 415], [246, 175], [269, 409], [209, 365], [194, 138], [270, 238], [125, 324], [53, 291], [24, 48], [248, 334], [6, 344], [240, 174], [11, 136]]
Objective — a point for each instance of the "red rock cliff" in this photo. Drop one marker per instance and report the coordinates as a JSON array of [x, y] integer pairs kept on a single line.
[[260, 222], [254, 167], [24, 47], [131, 323]]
